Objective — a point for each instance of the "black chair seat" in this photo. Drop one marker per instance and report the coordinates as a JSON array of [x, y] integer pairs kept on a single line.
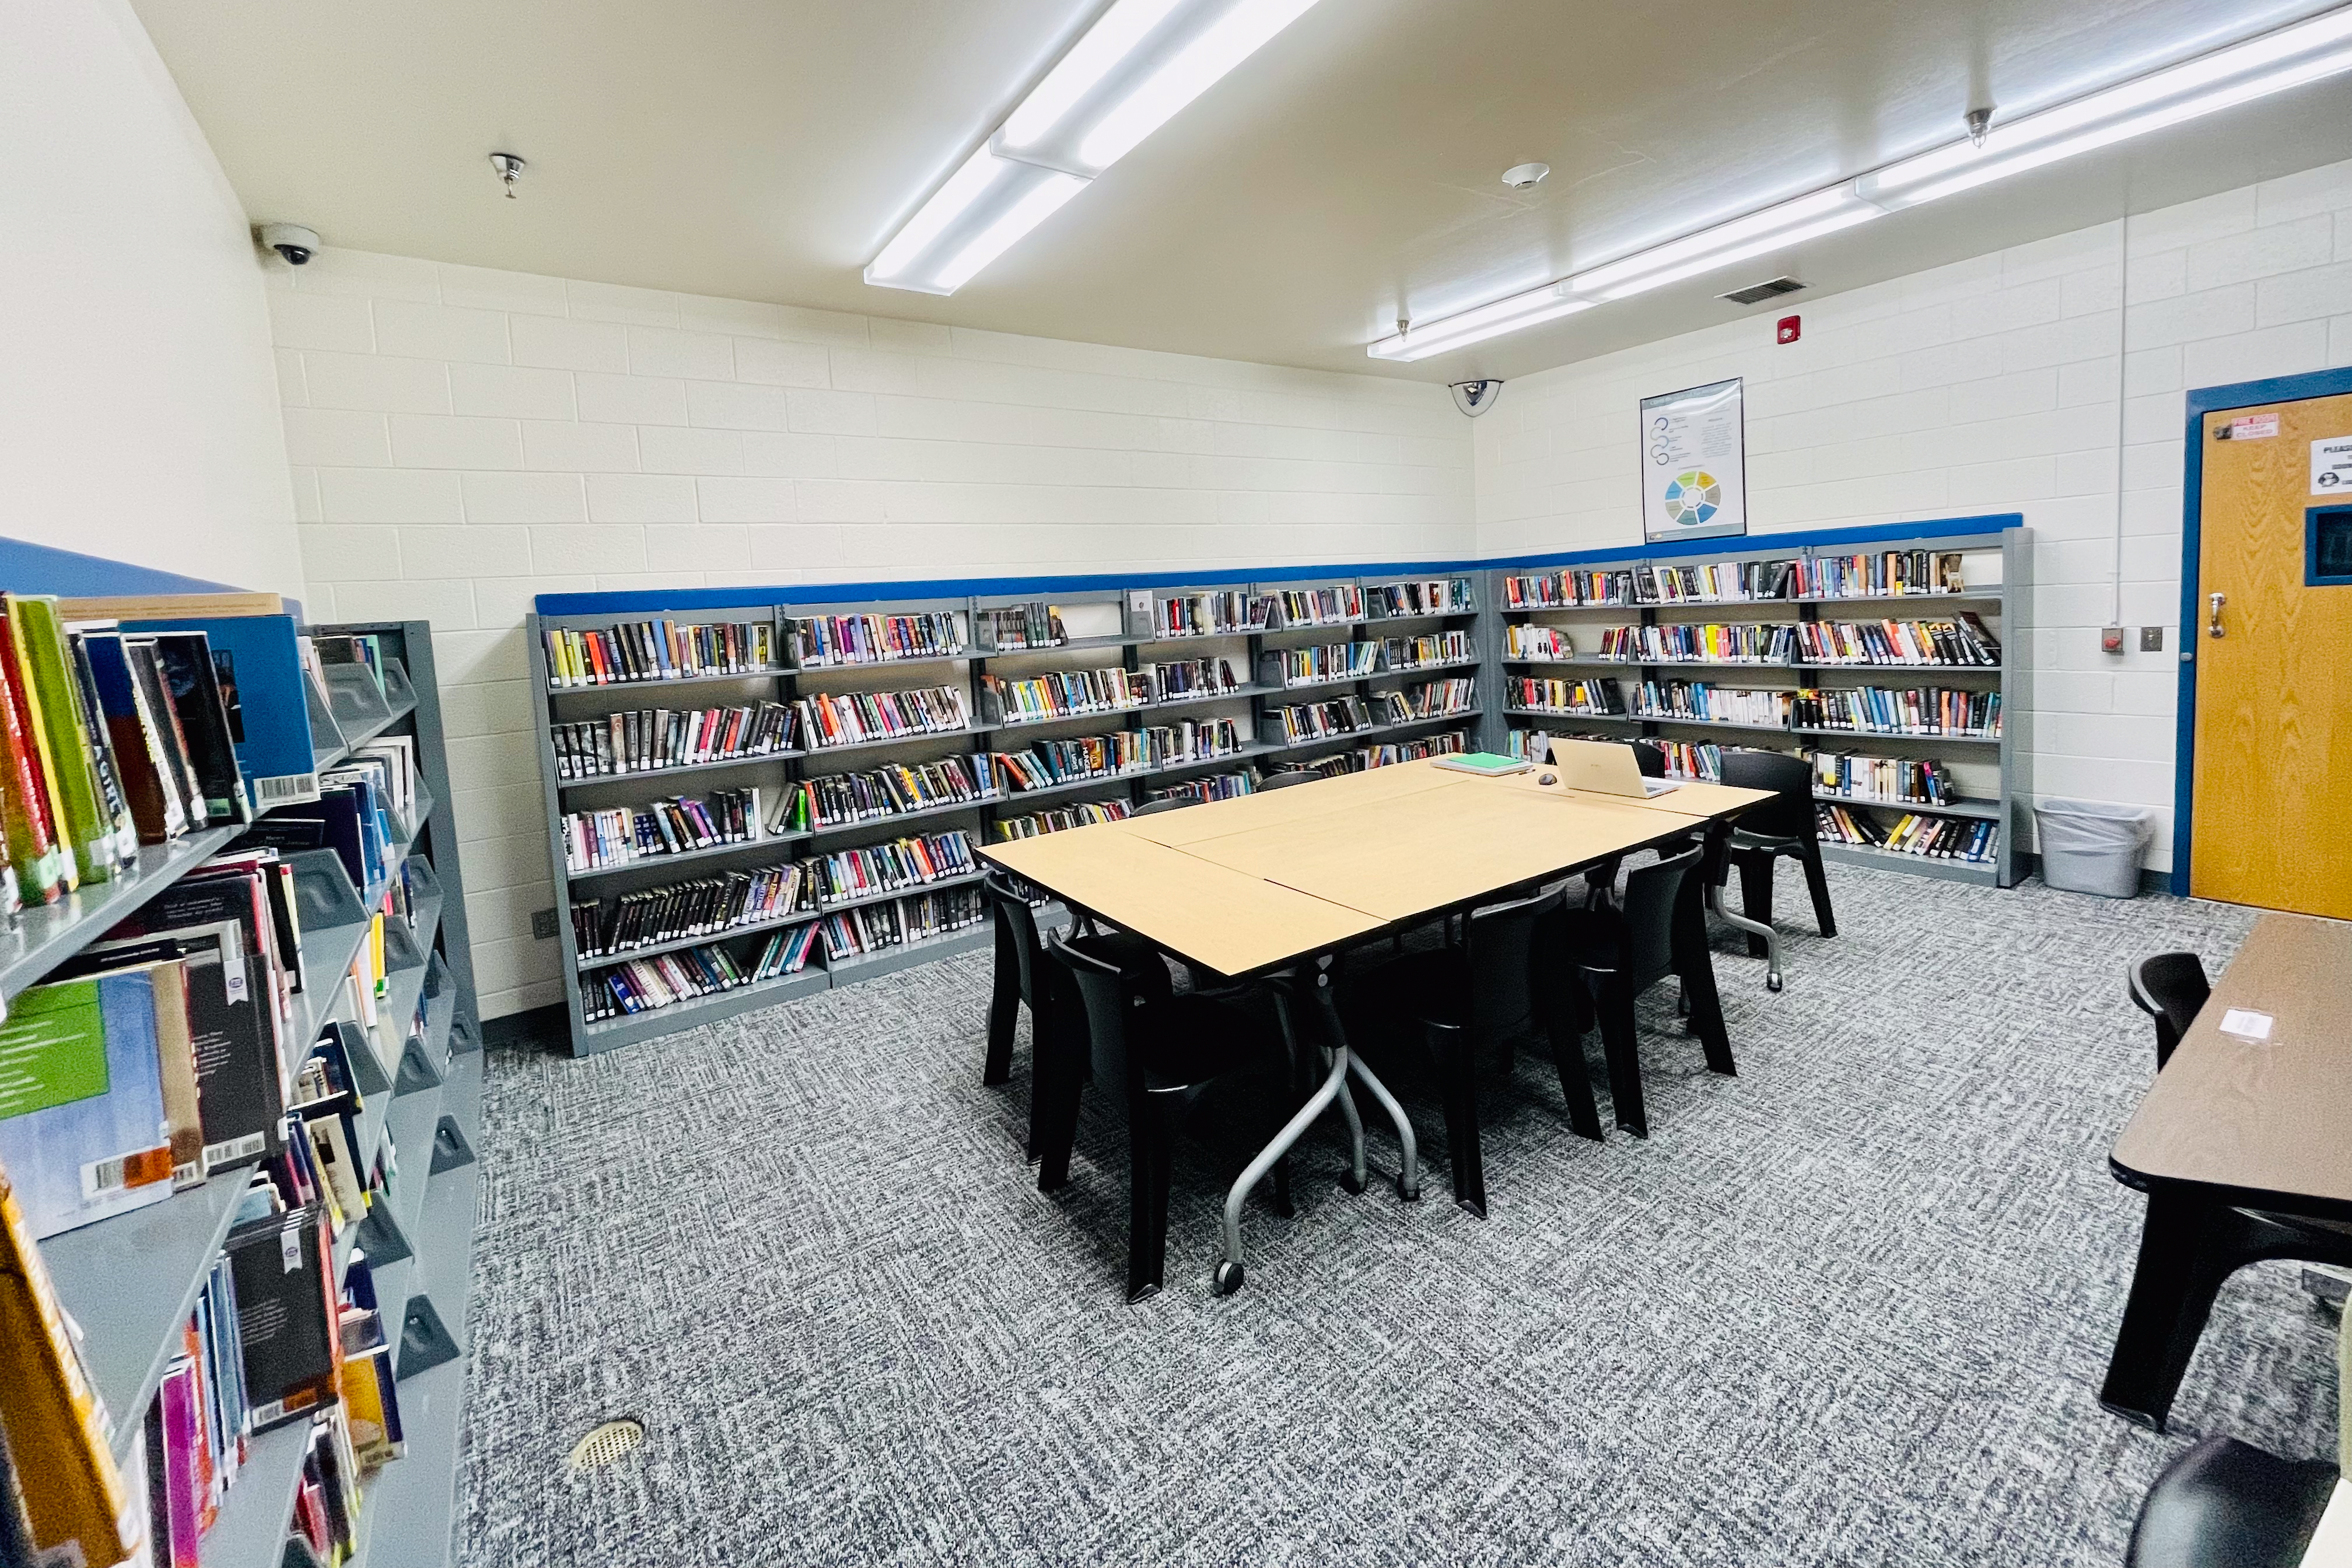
[[1430, 986], [1205, 1038], [2228, 1504]]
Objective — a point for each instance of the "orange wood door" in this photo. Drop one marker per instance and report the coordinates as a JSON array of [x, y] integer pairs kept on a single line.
[[2272, 824]]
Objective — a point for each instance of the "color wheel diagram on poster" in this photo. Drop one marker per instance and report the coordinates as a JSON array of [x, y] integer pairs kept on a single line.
[[1694, 463]]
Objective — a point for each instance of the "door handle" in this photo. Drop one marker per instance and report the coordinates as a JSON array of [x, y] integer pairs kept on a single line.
[[2213, 624]]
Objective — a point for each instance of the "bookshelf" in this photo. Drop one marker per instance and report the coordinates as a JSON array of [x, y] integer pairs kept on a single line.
[[131, 1281], [1604, 696], [1066, 694]]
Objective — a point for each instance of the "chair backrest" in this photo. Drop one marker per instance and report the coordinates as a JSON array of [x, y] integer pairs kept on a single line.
[[2169, 988], [1502, 946], [1649, 758], [1165, 803], [1287, 777], [1786, 774], [1649, 916], [1016, 928], [1122, 1006]]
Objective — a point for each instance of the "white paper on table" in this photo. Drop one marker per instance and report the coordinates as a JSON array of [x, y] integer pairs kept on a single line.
[[2245, 1024]]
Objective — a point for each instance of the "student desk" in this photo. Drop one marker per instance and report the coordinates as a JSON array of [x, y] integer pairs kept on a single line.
[[1272, 884], [2234, 1124]]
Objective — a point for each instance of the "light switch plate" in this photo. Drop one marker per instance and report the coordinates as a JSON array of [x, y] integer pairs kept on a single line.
[[542, 924], [2151, 640]]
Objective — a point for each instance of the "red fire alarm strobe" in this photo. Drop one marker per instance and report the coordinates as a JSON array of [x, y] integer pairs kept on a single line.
[[1791, 327]]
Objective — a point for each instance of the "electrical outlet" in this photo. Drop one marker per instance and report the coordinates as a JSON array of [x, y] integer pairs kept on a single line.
[[542, 924], [2151, 640]]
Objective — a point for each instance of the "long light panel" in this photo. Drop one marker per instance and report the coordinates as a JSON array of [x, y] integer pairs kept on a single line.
[[2307, 52], [1131, 72]]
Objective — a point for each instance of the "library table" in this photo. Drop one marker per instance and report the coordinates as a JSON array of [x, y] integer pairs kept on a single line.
[[1274, 884], [2243, 1146]]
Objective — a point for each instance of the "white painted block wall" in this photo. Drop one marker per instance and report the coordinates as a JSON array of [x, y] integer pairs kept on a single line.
[[138, 417], [2049, 379], [462, 440]]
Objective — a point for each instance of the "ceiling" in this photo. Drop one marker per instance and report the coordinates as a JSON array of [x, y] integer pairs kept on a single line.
[[1343, 177]]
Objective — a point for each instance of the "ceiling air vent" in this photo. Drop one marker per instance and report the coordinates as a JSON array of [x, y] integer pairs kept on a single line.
[[1756, 292]]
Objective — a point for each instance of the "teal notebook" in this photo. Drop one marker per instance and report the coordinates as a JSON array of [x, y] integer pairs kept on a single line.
[[1490, 763]]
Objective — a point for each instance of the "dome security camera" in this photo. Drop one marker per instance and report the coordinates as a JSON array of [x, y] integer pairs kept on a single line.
[[292, 242]]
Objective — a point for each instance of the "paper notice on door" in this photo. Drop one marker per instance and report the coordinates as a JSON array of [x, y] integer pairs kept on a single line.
[[2250, 427], [2244, 1024], [2331, 466]]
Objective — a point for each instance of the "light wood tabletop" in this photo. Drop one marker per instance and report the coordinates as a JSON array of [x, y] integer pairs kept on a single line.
[[1247, 884], [1232, 923], [2271, 1118]]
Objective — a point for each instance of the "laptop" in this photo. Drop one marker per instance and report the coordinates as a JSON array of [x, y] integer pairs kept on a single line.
[[1605, 767]]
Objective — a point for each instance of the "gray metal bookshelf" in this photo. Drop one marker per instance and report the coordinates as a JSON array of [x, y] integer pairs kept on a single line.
[[131, 1282], [1127, 628], [1997, 573]]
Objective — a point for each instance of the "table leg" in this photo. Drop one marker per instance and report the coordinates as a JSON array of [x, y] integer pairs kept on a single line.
[[1409, 1177], [1229, 1272]]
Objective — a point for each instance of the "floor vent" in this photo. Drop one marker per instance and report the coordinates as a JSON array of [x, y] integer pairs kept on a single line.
[[1754, 292], [607, 1445]]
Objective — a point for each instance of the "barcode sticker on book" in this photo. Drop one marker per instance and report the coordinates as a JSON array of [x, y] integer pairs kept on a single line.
[[100, 1177], [216, 1154], [285, 789]]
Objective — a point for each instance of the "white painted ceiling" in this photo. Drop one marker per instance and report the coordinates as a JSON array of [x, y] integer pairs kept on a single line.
[[1346, 175]]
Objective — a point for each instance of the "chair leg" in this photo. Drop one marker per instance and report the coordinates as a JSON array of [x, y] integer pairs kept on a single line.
[[1059, 1080], [1151, 1152], [1695, 966], [1575, 1081], [1817, 880], [2188, 1248], [1615, 1005], [1458, 1084], [1003, 1009], [1756, 896]]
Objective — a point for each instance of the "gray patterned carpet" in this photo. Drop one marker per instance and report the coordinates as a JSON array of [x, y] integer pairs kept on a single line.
[[1849, 1308]]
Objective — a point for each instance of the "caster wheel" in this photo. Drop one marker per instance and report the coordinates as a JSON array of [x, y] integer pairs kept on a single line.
[[1352, 1182], [1409, 1193], [1229, 1279], [1771, 983]]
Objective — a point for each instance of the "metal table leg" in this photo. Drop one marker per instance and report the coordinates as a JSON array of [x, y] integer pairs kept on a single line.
[[1229, 1272]]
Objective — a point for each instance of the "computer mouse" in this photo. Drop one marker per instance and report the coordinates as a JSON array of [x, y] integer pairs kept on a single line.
[[1546, 778]]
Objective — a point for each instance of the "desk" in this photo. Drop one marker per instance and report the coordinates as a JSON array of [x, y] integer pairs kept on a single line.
[[1260, 883], [2244, 1150]]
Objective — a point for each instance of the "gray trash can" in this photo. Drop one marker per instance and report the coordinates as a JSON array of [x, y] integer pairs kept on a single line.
[[2092, 845]]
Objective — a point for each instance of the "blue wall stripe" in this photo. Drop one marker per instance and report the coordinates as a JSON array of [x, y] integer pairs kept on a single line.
[[2203, 401], [29, 568], [637, 601]]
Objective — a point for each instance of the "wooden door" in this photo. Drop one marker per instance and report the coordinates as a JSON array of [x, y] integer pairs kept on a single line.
[[2272, 823]]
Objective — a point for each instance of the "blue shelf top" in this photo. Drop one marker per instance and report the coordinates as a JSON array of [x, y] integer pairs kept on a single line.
[[679, 601]]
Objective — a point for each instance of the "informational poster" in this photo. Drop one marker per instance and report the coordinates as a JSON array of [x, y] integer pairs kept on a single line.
[[1694, 463]]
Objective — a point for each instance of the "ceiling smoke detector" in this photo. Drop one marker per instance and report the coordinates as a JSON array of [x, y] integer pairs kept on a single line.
[[1772, 289], [1525, 177]]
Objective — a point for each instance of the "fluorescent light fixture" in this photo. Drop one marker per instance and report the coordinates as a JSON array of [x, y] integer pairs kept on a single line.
[[1789, 223], [2289, 58], [2307, 52], [1548, 303], [1042, 201], [1079, 72], [1135, 68], [1240, 32]]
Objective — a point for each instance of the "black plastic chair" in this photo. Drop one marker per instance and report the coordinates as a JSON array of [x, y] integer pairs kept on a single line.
[[2228, 1504], [1023, 976], [1486, 993], [1159, 1051], [1763, 833], [2169, 988], [1287, 777], [1165, 803], [1620, 952], [1649, 758]]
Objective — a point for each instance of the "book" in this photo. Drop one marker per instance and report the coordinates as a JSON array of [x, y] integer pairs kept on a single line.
[[259, 670], [36, 856], [282, 1267], [150, 782], [82, 1123], [76, 1501], [114, 805], [1486, 763], [232, 1024], [37, 664], [185, 660]]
